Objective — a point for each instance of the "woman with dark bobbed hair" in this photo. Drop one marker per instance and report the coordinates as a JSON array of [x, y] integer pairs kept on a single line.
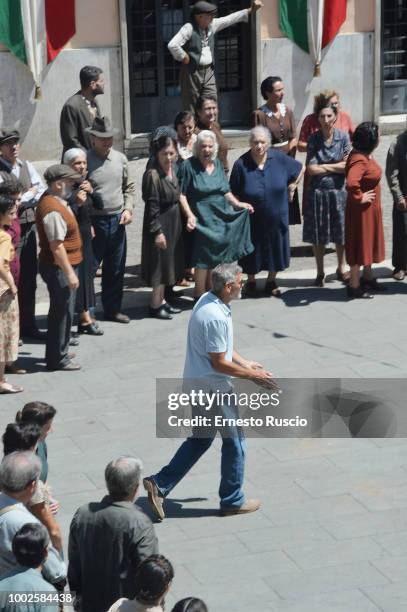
[[364, 236], [190, 604], [41, 414], [152, 581], [162, 254]]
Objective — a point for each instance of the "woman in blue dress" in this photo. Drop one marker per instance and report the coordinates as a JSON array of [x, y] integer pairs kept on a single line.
[[267, 179], [324, 214], [222, 232]]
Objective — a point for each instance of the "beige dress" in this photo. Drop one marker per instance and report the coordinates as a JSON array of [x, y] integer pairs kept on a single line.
[[9, 317]]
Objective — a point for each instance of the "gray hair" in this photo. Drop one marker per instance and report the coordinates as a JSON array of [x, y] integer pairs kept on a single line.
[[18, 470], [222, 275], [122, 476], [261, 131], [202, 136], [71, 154]]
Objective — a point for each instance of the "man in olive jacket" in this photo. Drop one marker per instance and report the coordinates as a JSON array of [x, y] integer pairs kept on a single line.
[[108, 539]]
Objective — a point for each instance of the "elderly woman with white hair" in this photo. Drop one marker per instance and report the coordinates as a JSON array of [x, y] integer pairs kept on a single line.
[[267, 178], [81, 201], [222, 233]]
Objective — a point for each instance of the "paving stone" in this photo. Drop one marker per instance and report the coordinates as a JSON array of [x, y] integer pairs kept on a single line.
[[314, 509], [230, 571], [325, 553], [394, 568], [355, 484], [366, 523], [277, 538], [351, 600], [326, 579], [394, 543], [390, 598]]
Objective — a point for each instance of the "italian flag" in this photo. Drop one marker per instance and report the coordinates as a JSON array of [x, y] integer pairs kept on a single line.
[[312, 24], [36, 30]]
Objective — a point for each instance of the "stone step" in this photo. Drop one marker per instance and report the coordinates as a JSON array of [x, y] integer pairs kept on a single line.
[[138, 144]]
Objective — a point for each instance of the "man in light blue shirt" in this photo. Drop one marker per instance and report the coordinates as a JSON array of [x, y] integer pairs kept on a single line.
[[210, 362], [19, 474], [30, 550]]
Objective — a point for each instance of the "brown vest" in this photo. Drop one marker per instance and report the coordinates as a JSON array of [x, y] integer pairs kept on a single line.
[[72, 242]]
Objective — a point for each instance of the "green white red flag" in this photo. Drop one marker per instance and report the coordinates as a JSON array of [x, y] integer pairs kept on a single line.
[[36, 30], [312, 24]]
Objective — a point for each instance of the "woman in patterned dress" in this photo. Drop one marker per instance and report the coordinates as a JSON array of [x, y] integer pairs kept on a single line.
[[324, 215], [9, 315]]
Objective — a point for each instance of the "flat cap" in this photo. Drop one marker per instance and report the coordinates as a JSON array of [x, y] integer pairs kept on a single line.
[[8, 134], [202, 8], [61, 171]]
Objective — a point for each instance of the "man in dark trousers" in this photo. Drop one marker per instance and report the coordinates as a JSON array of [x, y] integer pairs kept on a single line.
[[33, 188], [194, 46], [60, 254], [212, 359], [108, 539], [80, 110], [109, 175]]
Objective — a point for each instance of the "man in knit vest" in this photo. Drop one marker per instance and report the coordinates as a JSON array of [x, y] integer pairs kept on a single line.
[[60, 254], [33, 188], [194, 46], [109, 175]]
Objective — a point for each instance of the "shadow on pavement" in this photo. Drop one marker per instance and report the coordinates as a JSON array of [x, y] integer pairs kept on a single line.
[[174, 508]]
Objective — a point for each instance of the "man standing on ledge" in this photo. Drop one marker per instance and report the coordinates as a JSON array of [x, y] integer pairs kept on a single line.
[[194, 46], [210, 355], [108, 174]]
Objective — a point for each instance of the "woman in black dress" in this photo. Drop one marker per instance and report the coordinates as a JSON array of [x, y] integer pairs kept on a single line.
[[80, 202], [162, 254]]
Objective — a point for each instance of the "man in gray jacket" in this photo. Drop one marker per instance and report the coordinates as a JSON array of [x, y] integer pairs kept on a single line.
[[108, 539], [109, 176]]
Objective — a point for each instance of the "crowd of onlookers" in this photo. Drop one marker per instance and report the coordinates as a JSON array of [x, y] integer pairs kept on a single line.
[[196, 215], [114, 562]]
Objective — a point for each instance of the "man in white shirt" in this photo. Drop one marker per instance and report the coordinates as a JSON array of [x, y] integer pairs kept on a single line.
[[194, 46], [33, 186]]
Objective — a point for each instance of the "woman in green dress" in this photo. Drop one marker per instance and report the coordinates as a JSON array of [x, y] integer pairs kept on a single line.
[[222, 232]]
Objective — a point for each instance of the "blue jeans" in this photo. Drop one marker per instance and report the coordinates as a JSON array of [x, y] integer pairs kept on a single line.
[[109, 246], [232, 463]]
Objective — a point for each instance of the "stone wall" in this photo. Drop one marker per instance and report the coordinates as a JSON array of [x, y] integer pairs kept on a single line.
[[347, 66], [38, 121]]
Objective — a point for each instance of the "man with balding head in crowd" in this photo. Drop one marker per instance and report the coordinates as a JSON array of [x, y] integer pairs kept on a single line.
[[108, 539], [19, 474]]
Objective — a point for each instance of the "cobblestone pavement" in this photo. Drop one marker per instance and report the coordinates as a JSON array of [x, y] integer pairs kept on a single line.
[[332, 530]]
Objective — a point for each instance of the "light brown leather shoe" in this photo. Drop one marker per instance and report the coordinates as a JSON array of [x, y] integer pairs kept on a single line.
[[154, 497], [250, 505], [399, 275]]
